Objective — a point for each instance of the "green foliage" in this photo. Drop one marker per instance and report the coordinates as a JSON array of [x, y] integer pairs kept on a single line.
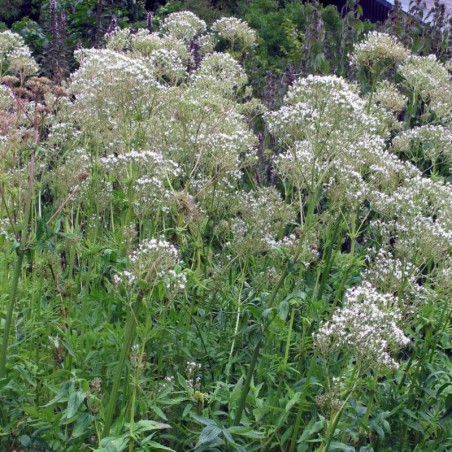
[[185, 268]]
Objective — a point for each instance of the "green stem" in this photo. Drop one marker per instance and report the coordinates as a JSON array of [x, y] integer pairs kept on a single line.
[[293, 441], [333, 423], [130, 329], [9, 313], [17, 270], [246, 386], [374, 84], [255, 356], [328, 259], [257, 348]]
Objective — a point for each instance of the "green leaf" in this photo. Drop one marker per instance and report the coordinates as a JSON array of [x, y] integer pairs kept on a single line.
[[112, 444], [25, 441], [61, 395], [414, 425], [82, 424], [145, 425], [152, 445], [159, 412], [283, 310], [74, 402], [247, 432], [335, 445], [292, 402], [208, 434], [203, 420]]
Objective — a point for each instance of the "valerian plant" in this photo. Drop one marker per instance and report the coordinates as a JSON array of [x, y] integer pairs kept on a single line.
[[172, 298]]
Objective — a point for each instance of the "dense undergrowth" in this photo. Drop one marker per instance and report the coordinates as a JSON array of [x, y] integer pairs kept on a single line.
[[187, 267]]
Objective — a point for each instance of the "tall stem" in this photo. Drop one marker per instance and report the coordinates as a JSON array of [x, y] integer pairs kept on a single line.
[[371, 96], [128, 339], [335, 420], [304, 392], [17, 270], [246, 387]]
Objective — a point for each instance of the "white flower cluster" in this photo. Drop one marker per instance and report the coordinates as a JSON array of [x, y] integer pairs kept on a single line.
[[6, 98], [109, 90], [140, 160], [366, 327], [119, 40], [261, 217], [15, 56], [184, 25], [235, 31], [426, 143], [418, 216], [207, 43], [192, 371], [109, 84], [154, 260], [378, 52], [166, 64], [424, 76], [219, 73], [150, 173], [330, 140], [203, 133], [392, 275], [389, 97]]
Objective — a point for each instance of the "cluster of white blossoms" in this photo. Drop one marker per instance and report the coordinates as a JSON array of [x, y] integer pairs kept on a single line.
[[109, 89], [392, 275], [366, 327], [329, 140], [166, 64], [144, 91], [429, 143], [424, 75], [320, 109], [300, 165], [142, 44], [202, 132], [15, 56], [138, 162], [154, 260], [150, 174], [184, 25], [6, 98], [379, 51], [206, 43], [219, 73], [388, 96], [258, 221], [235, 31]]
